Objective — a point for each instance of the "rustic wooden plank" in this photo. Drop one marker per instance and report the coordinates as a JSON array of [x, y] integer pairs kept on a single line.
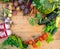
[[22, 28]]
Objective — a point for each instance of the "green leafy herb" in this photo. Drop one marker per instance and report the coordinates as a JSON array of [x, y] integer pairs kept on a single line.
[[25, 45], [49, 39], [5, 0], [38, 17], [45, 6], [50, 27], [13, 40], [38, 43]]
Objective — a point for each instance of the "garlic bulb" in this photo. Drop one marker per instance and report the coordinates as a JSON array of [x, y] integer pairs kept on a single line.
[[9, 32]]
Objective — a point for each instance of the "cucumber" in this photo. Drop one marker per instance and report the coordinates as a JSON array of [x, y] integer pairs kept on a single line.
[[20, 43], [54, 31], [43, 22], [50, 17]]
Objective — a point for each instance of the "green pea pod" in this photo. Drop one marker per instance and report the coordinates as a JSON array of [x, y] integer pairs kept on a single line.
[[50, 38], [54, 30], [45, 29], [15, 41], [20, 43], [49, 27], [13, 38]]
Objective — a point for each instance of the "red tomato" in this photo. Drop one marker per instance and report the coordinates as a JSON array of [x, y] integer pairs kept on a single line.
[[34, 45], [30, 42], [45, 35], [41, 38], [35, 40]]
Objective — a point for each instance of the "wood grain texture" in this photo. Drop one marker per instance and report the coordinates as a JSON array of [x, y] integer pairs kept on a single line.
[[21, 27]]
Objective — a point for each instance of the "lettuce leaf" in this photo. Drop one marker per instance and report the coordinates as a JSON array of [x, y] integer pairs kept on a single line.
[[45, 6]]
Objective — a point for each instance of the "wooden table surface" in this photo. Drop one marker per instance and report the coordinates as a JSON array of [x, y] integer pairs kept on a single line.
[[21, 27]]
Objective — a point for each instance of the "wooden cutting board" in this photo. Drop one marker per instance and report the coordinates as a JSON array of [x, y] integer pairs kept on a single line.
[[21, 27]]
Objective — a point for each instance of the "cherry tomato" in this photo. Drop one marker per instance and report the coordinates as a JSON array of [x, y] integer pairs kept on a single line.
[[35, 40], [30, 42], [34, 45], [41, 38], [45, 35]]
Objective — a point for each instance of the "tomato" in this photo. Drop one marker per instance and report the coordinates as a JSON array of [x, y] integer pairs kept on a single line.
[[34, 45], [35, 40], [30, 42], [45, 35], [40, 38]]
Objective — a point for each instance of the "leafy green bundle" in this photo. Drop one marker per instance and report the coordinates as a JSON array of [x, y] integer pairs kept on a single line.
[[51, 27], [13, 40], [45, 6]]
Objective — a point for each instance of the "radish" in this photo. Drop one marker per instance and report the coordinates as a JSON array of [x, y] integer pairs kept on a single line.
[[14, 13]]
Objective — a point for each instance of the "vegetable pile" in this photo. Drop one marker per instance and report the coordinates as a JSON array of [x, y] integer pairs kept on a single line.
[[17, 5], [5, 23]]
